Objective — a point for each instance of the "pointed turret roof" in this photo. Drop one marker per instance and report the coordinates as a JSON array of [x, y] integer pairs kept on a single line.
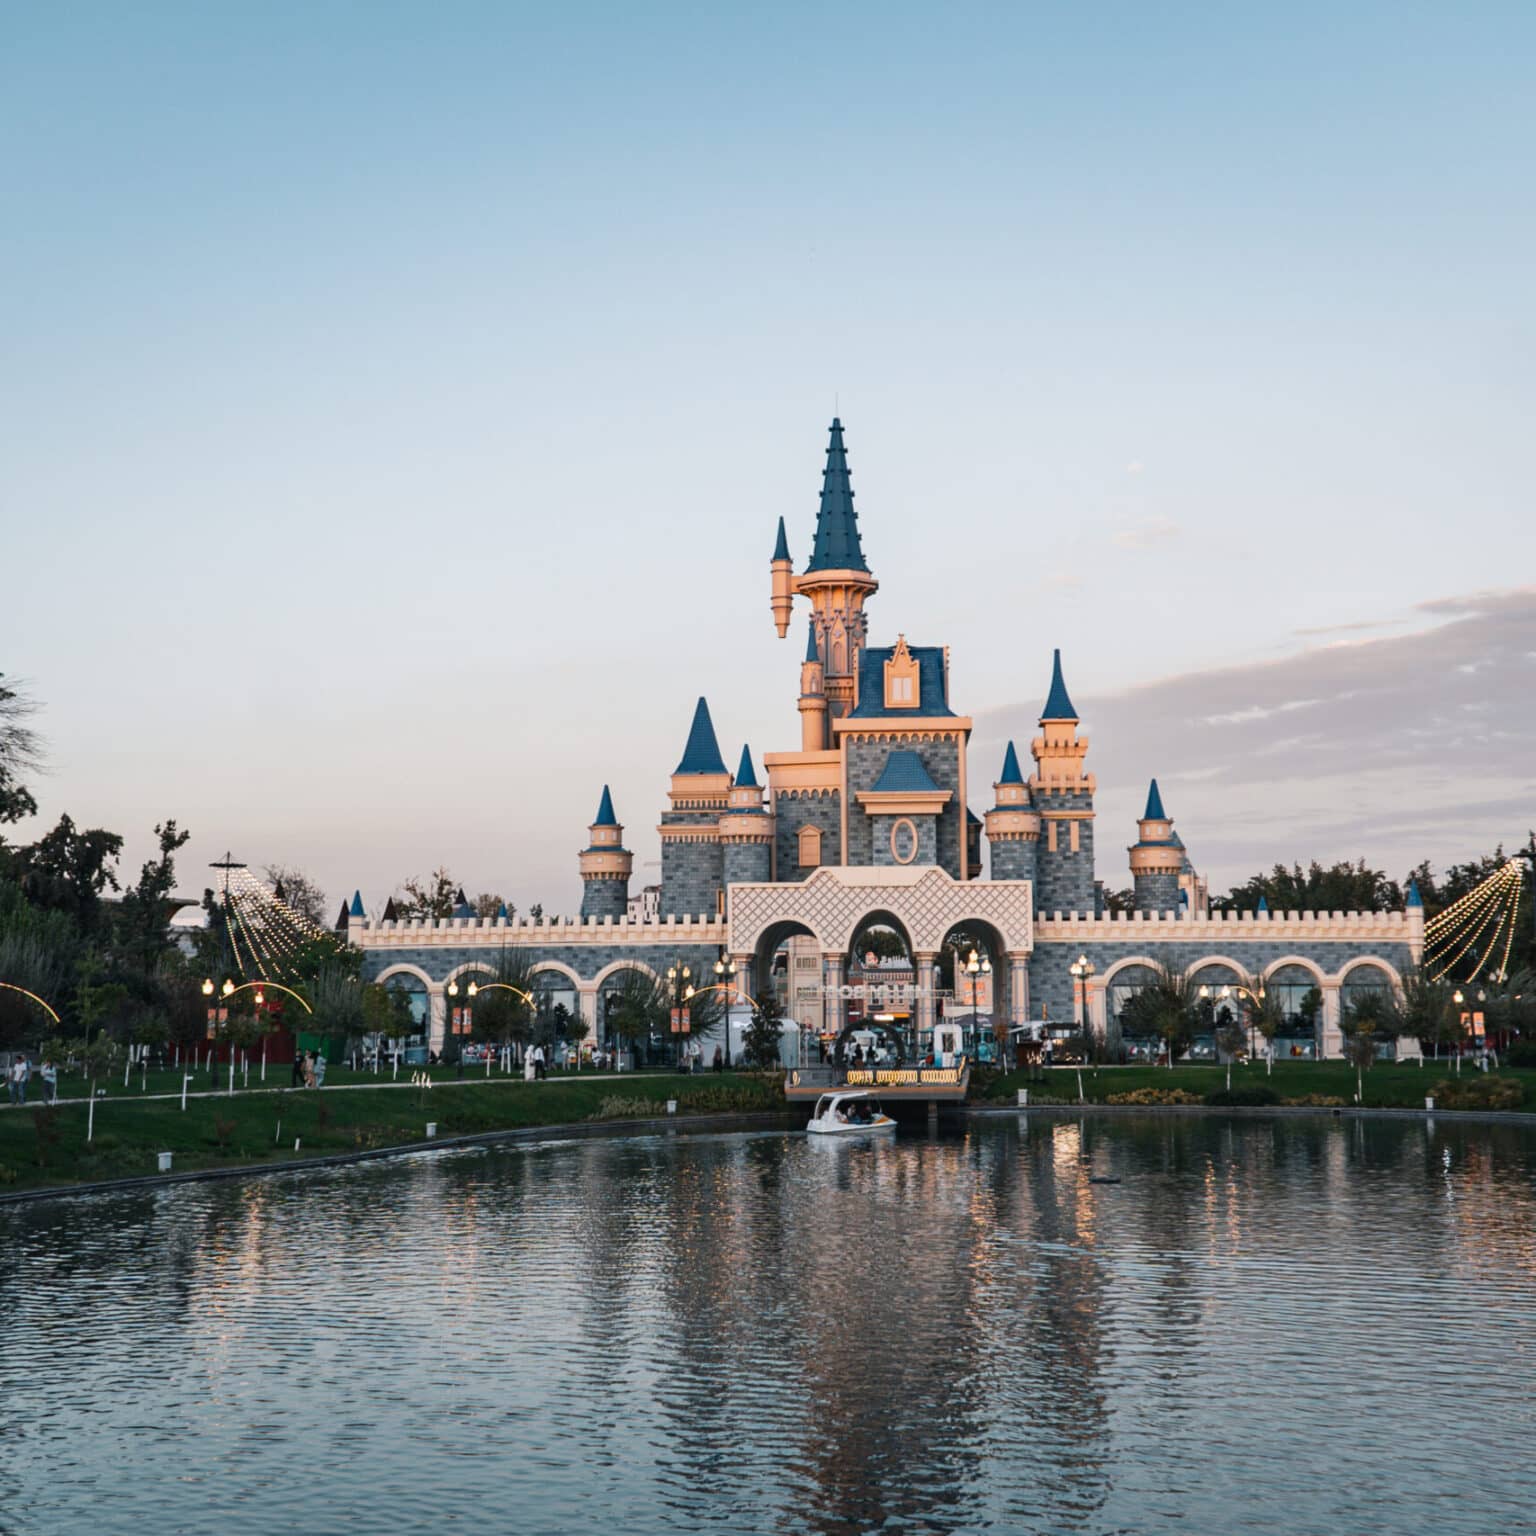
[[745, 777], [463, 908], [501, 911], [1154, 810], [781, 548], [1011, 772], [391, 911], [1414, 899], [341, 917], [356, 909], [702, 754], [811, 653], [460, 897], [837, 546], [605, 816], [1263, 905], [1058, 706]]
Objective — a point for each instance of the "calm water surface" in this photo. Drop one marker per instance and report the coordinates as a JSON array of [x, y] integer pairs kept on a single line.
[[1298, 1326]]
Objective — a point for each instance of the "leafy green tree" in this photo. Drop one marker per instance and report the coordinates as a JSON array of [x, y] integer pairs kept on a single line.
[[1426, 1010], [1363, 1019], [1167, 1008], [143, 915], [434, 897], [1342, 887], [21, 753], [1266, 1016], [297, 890], [638, 1008], [763, 1033]]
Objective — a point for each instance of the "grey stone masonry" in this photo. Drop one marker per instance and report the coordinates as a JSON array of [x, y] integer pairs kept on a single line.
[[1157, 892], [866, 762], [1063, 879], [691, 877], [585, 961], [747, 862], [1013, 858], [792, 811], [927, 839], [604, 896]]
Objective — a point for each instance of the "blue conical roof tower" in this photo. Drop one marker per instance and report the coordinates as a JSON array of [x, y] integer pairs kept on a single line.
[[811, 653], [605, 816], [1154, 810], [1058, 706], [781, 546], [1011, 773], [837, 546], [1414, 898], [745, 777], [702, 754]]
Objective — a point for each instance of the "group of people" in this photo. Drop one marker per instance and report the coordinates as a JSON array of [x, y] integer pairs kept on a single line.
[[309, 1070], [535, 1067], [19, 1074]]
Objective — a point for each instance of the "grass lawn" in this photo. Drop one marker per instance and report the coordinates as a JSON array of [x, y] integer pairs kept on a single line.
[[1387, 1086], [40, 1147]]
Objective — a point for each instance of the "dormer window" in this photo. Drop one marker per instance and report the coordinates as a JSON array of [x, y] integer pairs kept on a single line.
[[902, 687]]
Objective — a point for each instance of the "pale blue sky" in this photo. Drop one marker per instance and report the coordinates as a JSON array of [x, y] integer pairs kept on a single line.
[[396, 401]]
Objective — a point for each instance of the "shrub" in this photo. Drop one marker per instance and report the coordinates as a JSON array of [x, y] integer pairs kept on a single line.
[[1521, 1054], [1316, 1101], [7, 1174], [1481, 1092], [616, 1108], [1155, 1096], [1250, 1095]]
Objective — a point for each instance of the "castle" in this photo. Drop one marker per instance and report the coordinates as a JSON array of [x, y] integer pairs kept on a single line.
[[870, 823]]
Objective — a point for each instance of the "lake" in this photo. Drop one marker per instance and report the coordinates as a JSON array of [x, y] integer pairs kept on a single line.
[[1298, 1324]]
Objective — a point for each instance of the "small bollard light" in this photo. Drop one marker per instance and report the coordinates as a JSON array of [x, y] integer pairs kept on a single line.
[[431, 1129], [1429, 1102], [1023, 1098], [671, 1106], [165, 1162]]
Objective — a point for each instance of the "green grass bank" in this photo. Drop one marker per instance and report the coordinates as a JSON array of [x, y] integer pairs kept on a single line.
[[46, 1148], [1319, 1084]]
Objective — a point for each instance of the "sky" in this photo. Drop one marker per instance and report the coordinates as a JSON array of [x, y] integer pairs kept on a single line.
[[397, 403]]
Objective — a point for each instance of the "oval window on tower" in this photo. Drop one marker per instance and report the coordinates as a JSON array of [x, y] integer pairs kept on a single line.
[[904, 841]]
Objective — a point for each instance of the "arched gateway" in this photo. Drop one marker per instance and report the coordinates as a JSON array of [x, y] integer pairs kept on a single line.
[[926, 901]]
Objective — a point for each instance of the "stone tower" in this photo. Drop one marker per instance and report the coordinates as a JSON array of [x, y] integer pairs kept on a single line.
[[1157, 858], [813, 698], [692, 870], [605, 865], [1063, 795], [836, 580], [746, 829], [1013, 824]]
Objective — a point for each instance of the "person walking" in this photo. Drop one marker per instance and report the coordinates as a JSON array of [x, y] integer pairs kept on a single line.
[[719, 1059], [50, 1076], [319, 1071], [298, 1069], [17, 1078]]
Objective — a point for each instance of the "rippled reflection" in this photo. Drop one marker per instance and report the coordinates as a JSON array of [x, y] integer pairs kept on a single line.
[[1288, 1324]]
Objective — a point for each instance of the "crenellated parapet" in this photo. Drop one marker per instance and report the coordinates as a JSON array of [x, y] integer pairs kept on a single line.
[[501, 932], [1366, 927]]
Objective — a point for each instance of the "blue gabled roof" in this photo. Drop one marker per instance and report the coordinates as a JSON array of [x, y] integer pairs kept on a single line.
[[745, 777], [930, 678], [904, 774], [781, 548], [1154, 810], [702, 754], [1058, 706], [811, 653], [1011, 773], [837, 546], [605, 816], [356, 909]]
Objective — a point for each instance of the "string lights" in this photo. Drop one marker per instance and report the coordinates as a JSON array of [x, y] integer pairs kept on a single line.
[[1492, 908]]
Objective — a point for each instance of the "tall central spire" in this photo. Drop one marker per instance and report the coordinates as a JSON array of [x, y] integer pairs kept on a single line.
[[837, 546]]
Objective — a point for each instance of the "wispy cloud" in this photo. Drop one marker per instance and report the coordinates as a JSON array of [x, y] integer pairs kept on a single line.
[[1346, 629], [1147, 532], [1396, 747]]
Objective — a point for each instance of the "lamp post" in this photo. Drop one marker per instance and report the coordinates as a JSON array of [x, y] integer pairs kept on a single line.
[[725, 979], [973, 969], [1082, 968], [679, 978]]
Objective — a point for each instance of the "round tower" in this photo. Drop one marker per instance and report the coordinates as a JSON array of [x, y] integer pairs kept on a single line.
[[605, 865], [783, 571], [746, 829], [813, 698], [1063, 794], [1157, 858], [1013, 824]]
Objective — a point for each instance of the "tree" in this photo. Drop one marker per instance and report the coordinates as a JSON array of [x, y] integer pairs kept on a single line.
[[434, 897], [639, 1007], [298, 891], [763, 1033], [146, 910], [339, 1003], [488, 904], [1267, 1017], [1426, 1010], [1165, 1007], [21, 752], [1362, 1019], [1342, 887]]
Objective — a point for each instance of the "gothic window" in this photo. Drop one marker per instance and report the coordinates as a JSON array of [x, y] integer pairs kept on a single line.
[[810, 847], [901, 677]]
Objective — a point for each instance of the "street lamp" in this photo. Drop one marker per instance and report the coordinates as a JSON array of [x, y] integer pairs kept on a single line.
[[680, 980], [725, 980], [973, 969], [1082, 968]]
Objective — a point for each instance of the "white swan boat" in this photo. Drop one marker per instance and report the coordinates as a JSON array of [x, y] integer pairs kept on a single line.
[[854, 1113]]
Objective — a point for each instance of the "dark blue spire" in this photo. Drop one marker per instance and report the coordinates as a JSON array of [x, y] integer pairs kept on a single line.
[[1154, 810], [781, 549], [1058, 706], [501, 911], [1263, 905], [837, 546], [1011, 774], [1414, 899], [745, 778], [356, 909], [605, 816], [811, 653], [702, 754]]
